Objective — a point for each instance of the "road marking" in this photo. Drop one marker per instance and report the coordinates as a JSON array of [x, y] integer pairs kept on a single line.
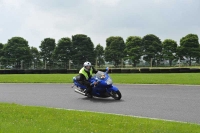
[[127, 115], [123, 115]]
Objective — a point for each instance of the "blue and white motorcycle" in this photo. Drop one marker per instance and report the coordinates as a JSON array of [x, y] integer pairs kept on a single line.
[[103, 88]]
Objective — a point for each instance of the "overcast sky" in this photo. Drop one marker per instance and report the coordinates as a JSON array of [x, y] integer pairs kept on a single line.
[[35, 20]]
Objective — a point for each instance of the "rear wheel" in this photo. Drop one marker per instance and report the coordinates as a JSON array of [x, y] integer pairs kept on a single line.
[[116, 95]]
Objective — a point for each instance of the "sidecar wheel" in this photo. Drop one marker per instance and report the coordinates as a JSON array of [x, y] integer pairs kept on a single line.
[[116, 95]]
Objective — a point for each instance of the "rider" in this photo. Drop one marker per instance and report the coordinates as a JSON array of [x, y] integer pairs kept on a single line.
[[84, 75]]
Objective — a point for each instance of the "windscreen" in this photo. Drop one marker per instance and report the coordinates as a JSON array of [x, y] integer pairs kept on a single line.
[[99, 74]]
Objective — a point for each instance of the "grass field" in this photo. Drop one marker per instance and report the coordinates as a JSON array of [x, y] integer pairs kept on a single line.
[[181, 78], [25, 119]]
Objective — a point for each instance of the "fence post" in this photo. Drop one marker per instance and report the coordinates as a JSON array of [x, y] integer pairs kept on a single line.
[[22, 64], [69, 64]]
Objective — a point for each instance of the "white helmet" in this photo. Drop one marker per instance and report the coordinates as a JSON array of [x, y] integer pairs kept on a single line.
[[87, 64]]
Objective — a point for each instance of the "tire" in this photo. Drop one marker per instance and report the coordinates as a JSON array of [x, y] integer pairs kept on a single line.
[[116, 95]]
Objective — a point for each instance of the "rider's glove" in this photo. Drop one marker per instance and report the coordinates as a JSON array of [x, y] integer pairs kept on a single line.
[[94, 83]]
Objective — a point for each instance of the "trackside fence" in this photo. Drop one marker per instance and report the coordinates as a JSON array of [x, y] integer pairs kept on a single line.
[[75, 71]]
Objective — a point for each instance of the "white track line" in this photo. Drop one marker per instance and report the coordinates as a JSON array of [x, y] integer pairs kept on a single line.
[[118, 115], [113, 114], [124, 115]]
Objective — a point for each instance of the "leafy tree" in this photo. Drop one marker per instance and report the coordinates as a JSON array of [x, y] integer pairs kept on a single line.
[[47, 48], [114, 49], [1, 45], [83, 49], [1, 53], [198, 57], [152, 48], [63, 50], [99, 50], [133, 49], [169, 50], [15, 51], [1, 50], [189, 47]]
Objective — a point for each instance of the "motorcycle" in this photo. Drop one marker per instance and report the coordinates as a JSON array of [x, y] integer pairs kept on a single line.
[[102, 89]]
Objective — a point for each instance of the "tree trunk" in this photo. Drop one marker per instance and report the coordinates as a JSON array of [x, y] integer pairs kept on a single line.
[[170, 63], [190, 61], [197, 60], [134, 63], [99, 64]]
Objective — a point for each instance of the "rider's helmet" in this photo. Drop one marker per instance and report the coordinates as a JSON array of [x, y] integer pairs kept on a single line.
[[87, 65]]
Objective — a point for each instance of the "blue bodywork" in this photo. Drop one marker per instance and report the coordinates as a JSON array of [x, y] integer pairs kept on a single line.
[[104, 86]]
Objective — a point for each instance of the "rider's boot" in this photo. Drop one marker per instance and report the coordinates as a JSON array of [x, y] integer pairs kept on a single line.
[[89, 95]]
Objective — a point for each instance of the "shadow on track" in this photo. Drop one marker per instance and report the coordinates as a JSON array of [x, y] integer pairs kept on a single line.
[[101, 100]]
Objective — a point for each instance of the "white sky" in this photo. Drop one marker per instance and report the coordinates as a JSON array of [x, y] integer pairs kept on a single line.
[[35, 20]]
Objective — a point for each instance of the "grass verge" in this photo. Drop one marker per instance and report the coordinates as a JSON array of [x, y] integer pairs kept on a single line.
[[27, 119], [182, 78]]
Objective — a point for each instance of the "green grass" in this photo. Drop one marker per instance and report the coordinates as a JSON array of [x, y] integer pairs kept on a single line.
[[26, 119], [181, 78]]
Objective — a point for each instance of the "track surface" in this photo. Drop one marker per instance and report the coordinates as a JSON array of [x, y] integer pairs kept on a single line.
[[171, 102]]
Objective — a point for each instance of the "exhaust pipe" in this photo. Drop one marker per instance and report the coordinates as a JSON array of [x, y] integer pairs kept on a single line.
[[77, 91]]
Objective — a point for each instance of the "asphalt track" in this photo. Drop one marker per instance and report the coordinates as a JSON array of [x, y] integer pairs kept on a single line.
[[170, 102]]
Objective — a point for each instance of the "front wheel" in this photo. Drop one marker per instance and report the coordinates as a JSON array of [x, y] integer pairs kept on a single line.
[[116, 95]]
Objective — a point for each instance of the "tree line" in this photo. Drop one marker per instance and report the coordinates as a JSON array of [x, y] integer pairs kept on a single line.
[[80, 48]]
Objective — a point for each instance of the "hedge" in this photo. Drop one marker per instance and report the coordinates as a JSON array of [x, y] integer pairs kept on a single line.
[[115, 70], [144, 70], [134, 70], [165, 70], [125, 71], [175, 70], [155, 70], [185, 70], [194, 70]]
